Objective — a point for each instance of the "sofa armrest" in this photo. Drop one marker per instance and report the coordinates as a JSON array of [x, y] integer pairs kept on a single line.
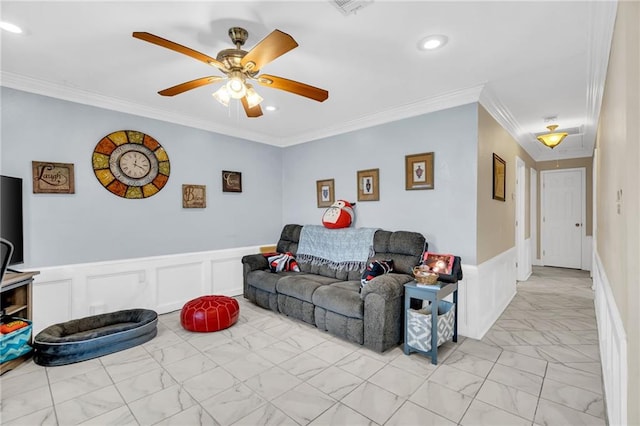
[[254, 262], [388, 286]]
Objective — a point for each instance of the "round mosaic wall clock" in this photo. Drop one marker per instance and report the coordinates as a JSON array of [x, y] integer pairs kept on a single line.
[[131, 164]]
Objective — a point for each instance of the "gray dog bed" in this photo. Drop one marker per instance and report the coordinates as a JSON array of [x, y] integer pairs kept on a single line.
[[94, 336]]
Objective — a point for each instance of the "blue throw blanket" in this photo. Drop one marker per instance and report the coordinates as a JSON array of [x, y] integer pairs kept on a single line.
[[346, 248]]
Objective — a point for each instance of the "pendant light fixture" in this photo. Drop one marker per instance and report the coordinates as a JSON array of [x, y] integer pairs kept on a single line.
[[552, 139]]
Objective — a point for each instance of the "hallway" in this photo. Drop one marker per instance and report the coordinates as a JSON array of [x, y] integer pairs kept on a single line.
[[549, 341]]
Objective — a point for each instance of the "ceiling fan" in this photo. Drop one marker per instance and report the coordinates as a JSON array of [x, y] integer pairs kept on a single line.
[[240, 67]]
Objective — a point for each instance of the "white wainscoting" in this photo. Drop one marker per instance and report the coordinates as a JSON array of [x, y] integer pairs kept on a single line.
[[485, 292], [165, 283], [613, 346], [525, 261], [587, 252], [161, 283]]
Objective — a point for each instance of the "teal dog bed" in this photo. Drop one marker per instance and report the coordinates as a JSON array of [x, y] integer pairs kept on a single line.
[[94, 336]]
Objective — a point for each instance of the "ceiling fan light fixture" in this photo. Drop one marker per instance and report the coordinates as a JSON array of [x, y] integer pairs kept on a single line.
[[253, 98], [222, 95], [235, 85], [552, 139]]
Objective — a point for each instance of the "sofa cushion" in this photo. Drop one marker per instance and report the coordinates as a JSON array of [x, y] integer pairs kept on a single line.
[[342, 298], [266, 280], [325, 271], [301, 286], [289, 239], [403, 247]]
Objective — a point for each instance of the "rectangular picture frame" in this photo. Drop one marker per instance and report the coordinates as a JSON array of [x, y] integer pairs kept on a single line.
[[419, 171], [499, 178], [325, 192], [368, 182], [231, 181], [194, 196], [53, 178]]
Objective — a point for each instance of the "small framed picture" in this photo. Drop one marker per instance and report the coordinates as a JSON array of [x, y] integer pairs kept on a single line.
[[368, 185], [499, 178], [231, 181], [325, 192], [419, 171], [194, 196], [53, 178]]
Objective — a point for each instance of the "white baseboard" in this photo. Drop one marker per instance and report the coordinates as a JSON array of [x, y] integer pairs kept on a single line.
[[485, 292], [161, 283], [613, 346]]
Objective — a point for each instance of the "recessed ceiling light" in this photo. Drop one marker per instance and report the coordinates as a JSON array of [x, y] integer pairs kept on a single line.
[[271, 108], [433, 42], [12, 28]]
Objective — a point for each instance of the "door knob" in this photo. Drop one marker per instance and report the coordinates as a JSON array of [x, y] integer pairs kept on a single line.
[[577, 225]]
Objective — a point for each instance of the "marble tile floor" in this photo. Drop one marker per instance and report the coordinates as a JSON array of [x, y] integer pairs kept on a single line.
[[538, 365]]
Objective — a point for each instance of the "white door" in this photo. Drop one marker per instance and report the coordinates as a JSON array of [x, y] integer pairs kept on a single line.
[[523, 263], [563, 212], [534, 216]]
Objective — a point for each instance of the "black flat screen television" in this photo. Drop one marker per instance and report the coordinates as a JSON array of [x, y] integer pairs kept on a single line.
[[11, 225]]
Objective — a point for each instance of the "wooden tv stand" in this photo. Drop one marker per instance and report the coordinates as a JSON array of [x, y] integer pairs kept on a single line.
[[15, 296]]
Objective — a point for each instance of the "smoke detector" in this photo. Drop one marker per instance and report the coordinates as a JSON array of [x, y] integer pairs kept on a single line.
[[350, 6]]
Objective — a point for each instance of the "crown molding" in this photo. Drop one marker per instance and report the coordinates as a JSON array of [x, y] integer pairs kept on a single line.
[[494, 106], [600, 33], [602, 19], [54, 90], [46, 88], [436, 103]]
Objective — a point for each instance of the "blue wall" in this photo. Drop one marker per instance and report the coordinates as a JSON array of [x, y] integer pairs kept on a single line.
[[446, 215], [279, 185], [95, 225]]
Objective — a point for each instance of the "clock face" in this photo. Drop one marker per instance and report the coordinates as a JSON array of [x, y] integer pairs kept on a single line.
[[131, 164], [134, 164]]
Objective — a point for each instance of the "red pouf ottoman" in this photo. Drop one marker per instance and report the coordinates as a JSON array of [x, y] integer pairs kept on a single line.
[[209, 313]]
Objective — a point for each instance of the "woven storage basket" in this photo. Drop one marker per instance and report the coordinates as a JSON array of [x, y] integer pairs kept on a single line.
[[423, 275], [419, 326]]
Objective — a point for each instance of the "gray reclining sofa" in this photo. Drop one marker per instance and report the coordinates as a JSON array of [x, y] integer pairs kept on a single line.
[[331, 299]]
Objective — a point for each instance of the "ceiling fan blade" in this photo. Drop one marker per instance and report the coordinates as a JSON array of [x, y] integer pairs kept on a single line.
[[269, 48], [179, 48], [183, 87], [296, 87], [254, 112]]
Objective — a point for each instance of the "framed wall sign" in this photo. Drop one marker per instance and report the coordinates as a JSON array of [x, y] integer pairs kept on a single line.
[[52, 178], [369, 185], [194, 196], [231, 181], [499, 178], [419, 171], [325, 193]]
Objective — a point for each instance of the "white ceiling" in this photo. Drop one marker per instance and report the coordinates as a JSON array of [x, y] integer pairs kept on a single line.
[[522, 60]]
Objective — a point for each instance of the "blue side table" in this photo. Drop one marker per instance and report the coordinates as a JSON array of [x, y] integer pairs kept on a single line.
[[433, 293]]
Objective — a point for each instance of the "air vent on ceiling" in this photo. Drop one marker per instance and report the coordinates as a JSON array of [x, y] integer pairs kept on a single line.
[[350, 6], [569, 130]]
